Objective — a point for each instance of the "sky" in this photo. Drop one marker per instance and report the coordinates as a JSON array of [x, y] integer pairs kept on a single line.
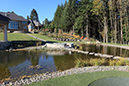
[[44, 8]]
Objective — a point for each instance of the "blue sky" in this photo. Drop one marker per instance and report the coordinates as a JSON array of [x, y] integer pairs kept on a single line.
[[44, 8]]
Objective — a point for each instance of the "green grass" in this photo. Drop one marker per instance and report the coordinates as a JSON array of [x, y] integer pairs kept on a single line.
[[45, 38], [116, 44], [80, 79], [16, 36], [113, 81], [52, 40]]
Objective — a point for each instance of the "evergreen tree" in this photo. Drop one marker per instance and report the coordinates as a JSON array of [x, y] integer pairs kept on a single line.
[[107, 20], [28, 17], [46, 23], [63, 16], [57, 17], [34, 15], [69, 14]]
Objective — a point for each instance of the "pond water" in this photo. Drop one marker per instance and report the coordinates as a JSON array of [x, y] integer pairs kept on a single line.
[[106, 50], [21, 63]]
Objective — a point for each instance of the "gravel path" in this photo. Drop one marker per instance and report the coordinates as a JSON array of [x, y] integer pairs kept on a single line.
[[46, 76], [35, 37]]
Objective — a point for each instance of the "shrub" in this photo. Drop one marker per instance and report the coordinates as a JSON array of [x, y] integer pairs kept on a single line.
[[111, 62], [100, 62], [95, 62], [78, 62]]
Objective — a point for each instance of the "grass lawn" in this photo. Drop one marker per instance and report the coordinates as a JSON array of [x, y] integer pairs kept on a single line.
[[45, 38], [113, 81], [52, 40], [16, 36], [115, 44], [80, 79]]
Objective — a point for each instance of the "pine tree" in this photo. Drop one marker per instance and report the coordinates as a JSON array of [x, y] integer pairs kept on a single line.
[[46, 23], [28, 17], [63, 17], [34, 15], [57, 17], [69, 14]]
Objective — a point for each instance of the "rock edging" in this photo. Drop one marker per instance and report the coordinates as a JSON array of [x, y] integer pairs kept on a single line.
[[72, 71]]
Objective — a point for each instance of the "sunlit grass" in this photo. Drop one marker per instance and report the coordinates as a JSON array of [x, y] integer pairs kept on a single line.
[[83, 79], [16, 36], [52, 40], [116, 44]]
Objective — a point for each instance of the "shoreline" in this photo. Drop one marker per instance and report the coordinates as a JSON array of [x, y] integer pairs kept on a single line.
[[119, 46], [46, 76]]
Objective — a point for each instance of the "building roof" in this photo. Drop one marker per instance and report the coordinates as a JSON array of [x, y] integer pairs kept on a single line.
[[13, 16], [34, 23], [4, 19], [37, 23]]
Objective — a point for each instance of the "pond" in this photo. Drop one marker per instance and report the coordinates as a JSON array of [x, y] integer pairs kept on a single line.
[[105, 50], [21, 63], [16, 64]]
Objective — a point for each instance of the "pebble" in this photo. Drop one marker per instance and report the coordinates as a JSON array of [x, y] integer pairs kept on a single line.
[[47, 75]]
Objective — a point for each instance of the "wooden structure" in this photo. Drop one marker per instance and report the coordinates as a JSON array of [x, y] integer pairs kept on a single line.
[[3, 24]]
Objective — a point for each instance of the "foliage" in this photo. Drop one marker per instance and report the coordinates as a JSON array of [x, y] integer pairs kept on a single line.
[[34, 15], [100, 62], [106, 20]]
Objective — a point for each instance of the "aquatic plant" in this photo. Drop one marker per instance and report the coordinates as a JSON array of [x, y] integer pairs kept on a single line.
[[101, 62]]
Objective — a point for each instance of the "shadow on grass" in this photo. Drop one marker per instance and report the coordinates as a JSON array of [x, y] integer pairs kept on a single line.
[[27, 43]]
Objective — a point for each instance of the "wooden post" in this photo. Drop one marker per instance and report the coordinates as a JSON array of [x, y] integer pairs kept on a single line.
[[5, 33]]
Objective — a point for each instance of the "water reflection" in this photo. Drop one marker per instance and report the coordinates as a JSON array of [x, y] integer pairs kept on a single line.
[[106, 50], [4, 72], [16, 64]]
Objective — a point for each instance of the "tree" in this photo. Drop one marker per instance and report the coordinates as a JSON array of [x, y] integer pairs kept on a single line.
[[46, 23], [99, 9], [78, 24], [85, 9], [102, 19], [28, 17], [34, 15], [57, 17], [120, 2], [69, 14], [63, 18]]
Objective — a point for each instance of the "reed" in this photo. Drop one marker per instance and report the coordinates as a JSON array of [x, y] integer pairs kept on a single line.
[[101, 62]]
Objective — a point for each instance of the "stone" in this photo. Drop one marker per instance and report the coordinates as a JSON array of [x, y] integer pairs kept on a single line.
[[91, 53], [97, 54], [117, 57]]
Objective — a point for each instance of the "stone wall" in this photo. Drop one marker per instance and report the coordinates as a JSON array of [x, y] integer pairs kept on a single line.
[[4, 45]]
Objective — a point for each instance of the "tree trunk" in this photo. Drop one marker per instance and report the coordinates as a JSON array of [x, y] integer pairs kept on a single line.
[[99, 33], [87, 35], [126, 32], [73, 29], [127, 21], [82, 31], [105, 29], [105, 24], [115, 37], [111, 22], [121, 22]]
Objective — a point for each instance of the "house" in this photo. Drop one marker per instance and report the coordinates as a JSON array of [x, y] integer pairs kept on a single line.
[[4, 21], [33, 25], [16, 23]]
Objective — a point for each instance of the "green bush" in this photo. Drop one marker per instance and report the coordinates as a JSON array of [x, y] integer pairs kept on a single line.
[[100, 62]]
